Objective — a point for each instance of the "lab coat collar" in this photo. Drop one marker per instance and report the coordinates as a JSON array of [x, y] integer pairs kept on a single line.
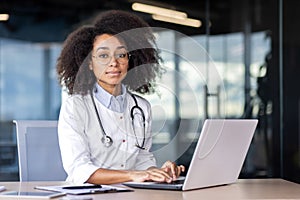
[[105, 98]]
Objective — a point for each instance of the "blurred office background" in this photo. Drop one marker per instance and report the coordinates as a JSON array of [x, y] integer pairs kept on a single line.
[[241, 62]]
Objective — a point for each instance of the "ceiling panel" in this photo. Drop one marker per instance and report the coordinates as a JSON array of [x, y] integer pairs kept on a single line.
[[52, 20]]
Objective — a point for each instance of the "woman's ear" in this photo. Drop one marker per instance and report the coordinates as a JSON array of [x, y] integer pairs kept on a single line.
[[91, 66]]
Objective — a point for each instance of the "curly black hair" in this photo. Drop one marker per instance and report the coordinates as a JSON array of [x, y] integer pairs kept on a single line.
[[144, 63]]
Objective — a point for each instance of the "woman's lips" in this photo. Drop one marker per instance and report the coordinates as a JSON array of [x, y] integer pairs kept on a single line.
[[113, 73]]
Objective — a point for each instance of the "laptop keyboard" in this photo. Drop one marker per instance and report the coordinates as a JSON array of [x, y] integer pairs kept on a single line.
[[176, 182]]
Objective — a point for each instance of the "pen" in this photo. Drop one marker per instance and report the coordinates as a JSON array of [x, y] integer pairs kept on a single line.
[[82, 187], [103, 191]]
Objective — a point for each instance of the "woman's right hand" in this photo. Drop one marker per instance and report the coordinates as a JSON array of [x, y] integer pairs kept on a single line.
[[151, 174]]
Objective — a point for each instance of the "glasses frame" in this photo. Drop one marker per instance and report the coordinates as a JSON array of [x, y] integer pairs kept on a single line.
[[110, 57]]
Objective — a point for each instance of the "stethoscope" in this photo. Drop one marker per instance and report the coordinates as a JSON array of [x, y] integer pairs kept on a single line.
[[107, 140]]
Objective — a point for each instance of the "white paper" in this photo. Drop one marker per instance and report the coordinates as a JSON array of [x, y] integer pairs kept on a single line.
[[103, 189]]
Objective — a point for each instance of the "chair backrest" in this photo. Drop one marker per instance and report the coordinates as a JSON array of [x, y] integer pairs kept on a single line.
[[38, 151]]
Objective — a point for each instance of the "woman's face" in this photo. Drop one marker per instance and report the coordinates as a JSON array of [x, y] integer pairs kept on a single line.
[[109, 61]]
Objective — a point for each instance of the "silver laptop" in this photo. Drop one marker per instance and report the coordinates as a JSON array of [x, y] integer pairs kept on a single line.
[[218, 157]]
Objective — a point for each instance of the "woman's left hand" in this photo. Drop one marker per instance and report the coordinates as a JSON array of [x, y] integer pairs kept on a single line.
[[171, 168]]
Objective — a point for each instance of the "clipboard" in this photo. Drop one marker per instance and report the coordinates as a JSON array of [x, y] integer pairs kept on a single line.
[[84, 189]]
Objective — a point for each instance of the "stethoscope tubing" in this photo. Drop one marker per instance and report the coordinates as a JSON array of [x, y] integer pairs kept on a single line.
[[107, 140]]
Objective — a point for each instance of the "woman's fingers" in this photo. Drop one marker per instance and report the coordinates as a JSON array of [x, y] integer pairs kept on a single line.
[[180, 169], [173, 169], [169, 172], [159, 175]]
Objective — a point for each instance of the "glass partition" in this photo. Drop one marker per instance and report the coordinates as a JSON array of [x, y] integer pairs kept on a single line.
[[231, 67], [28, 90]]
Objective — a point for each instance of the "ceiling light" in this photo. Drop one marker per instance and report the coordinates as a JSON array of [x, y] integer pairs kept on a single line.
[[186, 21], [158, 10], [4, 17]]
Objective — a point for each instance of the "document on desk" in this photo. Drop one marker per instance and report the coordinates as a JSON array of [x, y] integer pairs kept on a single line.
[[83, 189]]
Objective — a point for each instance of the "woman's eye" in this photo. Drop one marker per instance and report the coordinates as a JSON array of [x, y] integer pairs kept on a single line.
[[103, 56], [121, 55]]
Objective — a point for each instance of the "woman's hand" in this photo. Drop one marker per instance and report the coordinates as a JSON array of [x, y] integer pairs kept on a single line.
[[172, 169], [151, 174], [167, 173]]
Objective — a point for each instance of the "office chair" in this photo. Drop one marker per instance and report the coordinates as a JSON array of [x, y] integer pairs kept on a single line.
[[38, 151]]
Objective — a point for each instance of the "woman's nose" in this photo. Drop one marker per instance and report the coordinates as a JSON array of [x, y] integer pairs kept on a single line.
[[113, 61]]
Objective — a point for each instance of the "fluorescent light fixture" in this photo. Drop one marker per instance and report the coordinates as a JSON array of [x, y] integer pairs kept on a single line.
[[4, 17], [158, 11], [186, 21]]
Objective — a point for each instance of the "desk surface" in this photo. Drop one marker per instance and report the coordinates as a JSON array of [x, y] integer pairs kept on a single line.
[[242, 189]]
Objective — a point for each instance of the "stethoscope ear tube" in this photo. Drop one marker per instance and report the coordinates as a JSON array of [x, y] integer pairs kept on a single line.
[[144, 126]]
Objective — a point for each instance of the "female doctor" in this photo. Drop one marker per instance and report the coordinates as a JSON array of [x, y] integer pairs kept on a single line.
[[105, 130]]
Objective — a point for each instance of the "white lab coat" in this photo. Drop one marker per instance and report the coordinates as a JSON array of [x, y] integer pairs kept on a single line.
[[80, 138]]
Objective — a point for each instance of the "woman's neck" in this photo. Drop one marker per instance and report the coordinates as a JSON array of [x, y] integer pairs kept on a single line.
[[114, 90]]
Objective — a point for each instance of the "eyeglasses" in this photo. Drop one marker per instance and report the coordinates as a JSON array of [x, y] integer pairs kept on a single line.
[[104, 57]]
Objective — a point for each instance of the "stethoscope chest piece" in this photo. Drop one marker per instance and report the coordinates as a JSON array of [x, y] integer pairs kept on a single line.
[[107, 141]]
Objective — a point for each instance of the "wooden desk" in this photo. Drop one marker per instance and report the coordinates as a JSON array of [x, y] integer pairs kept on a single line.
[[243, 189]]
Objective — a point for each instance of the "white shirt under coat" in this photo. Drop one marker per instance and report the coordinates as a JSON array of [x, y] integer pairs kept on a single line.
[[80, 137]]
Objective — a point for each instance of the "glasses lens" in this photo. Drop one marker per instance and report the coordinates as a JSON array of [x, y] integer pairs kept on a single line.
[[104, 57], [121, 56]]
